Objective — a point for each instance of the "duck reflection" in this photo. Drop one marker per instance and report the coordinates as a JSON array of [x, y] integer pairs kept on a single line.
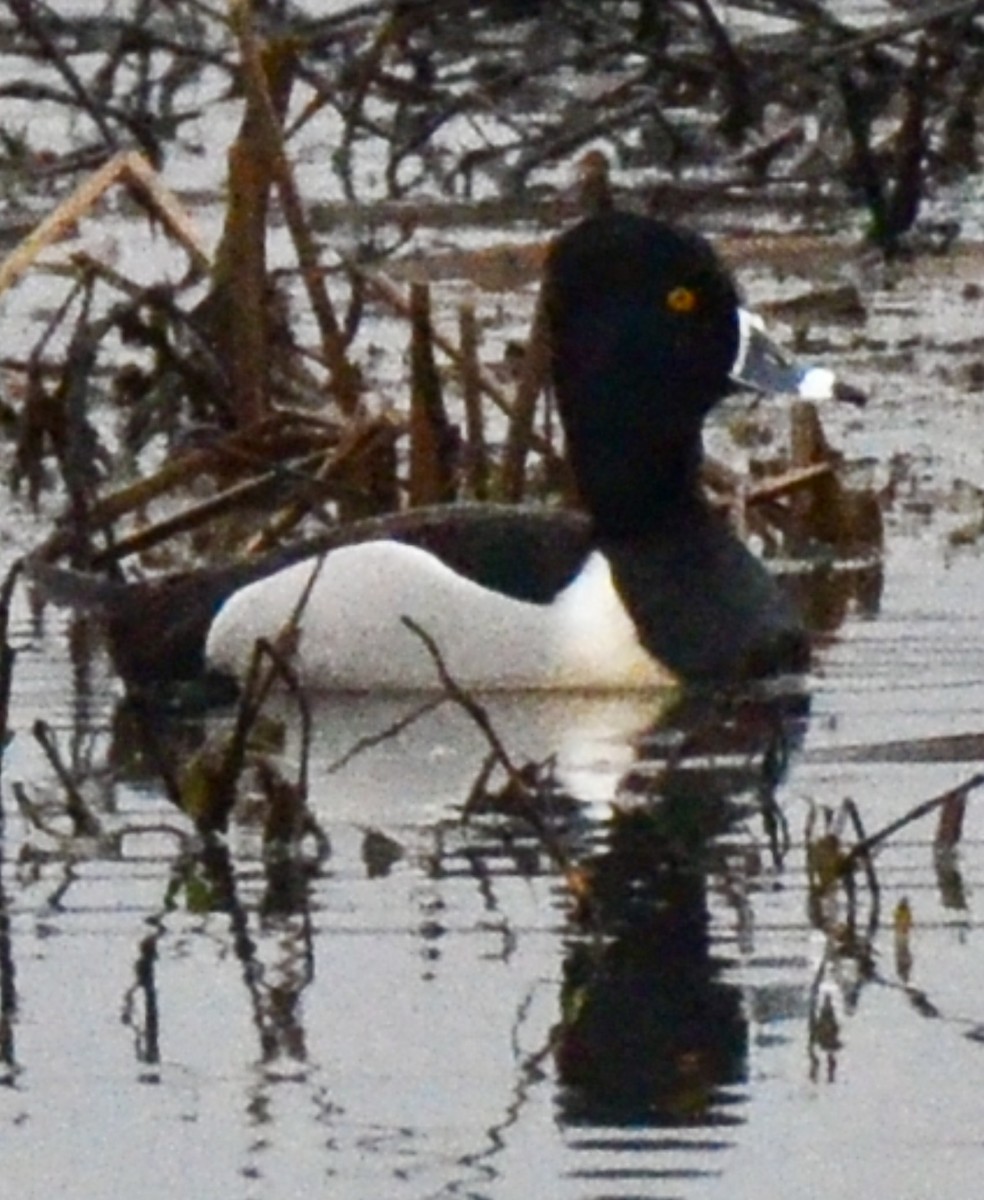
[[651, 1032], [651, 1029]]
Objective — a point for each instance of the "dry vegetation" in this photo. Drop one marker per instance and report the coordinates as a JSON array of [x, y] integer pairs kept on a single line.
[[218, 416], [467, 112], [192, 421]]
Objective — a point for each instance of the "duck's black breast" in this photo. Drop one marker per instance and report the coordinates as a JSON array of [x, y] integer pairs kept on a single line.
[[703, 605]]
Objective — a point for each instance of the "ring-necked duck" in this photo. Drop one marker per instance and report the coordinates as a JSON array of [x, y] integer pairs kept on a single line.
[[653, 586]]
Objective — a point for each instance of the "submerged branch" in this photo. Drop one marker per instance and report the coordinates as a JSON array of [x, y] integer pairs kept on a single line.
[[863, 848]]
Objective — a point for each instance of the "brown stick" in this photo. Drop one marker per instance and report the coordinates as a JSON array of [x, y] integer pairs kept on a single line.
[[345, 379], [390, 295], [129, 167], [476, 466], [358, 444], [787, 482], [521, 436], [864, 848], [432, 436], [251, 490]]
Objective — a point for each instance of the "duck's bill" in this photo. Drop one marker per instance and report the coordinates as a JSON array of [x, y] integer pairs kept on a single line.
[[764, 367]]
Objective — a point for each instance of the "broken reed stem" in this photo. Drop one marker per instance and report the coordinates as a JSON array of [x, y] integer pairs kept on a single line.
[[432, 436], [476, 464], [358, 441], [532, 380], [788, 482], [191, 518], [180, 471], [130, 168], [131, 497], [344, 377], [240, 494], [284, 521], [236, 311], [359, 444], [238, 302]]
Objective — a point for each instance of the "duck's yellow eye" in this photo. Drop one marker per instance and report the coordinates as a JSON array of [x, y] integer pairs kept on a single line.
[[681, 300]]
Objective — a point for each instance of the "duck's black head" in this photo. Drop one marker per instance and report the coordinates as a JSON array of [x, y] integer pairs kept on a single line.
[[643, 326]]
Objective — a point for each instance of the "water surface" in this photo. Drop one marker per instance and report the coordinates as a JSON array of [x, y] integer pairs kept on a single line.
[[427, 1012]]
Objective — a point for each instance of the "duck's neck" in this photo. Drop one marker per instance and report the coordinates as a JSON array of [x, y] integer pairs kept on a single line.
[[632, 493], [701, 602]]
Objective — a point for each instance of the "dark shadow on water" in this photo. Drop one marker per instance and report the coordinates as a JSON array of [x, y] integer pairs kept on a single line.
[[651, 1034], [8, 977]]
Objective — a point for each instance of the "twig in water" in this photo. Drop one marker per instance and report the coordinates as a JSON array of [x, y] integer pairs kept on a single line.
[[84, 824], [269, 662], [864, 848], [850, 810], [391, 731], [472, 707], [523, 794], [7, 657], [287, 673]]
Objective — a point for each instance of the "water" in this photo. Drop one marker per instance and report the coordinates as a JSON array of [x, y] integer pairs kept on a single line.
[[430, 1015], [438, 1008]]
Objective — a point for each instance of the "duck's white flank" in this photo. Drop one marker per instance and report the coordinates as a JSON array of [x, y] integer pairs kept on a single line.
[[352, 636]]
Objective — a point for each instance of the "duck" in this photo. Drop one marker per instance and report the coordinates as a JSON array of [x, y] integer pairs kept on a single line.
[[647, 586]]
